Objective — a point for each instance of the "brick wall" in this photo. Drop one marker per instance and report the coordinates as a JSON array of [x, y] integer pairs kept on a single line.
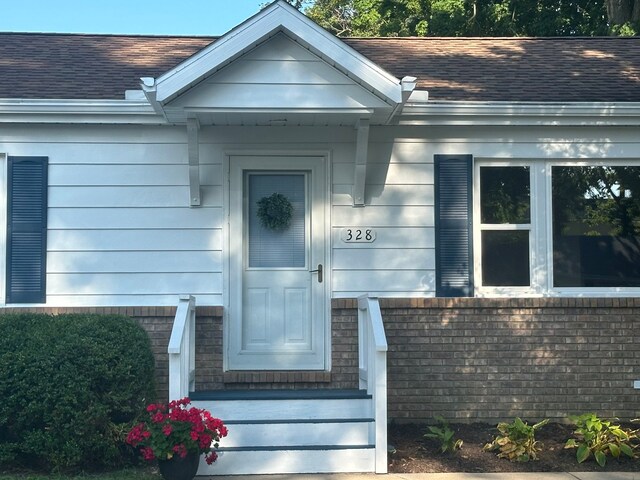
[[344, 372], [489, 359], [464, 359]]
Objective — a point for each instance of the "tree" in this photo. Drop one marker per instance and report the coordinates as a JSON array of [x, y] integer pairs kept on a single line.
[[352, 18], [474, 17]]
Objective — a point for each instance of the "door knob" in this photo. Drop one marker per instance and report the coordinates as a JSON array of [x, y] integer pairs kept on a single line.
[[319, 272]]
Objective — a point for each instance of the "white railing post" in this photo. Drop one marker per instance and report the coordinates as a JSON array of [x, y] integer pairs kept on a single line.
[[181, 350], [372, 349]]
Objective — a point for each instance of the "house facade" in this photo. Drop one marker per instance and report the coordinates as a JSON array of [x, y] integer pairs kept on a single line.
[[485, 191]]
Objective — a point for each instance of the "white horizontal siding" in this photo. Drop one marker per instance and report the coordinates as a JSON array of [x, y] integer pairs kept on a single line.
[[387, 258], [129, 196], [136, 218], [160, 240], [121, 231], [117, 175], [106, 300], [382, 216], [387, 173], [146, 283], [386, 195], [133, 262], [395, 282], [279, 74]]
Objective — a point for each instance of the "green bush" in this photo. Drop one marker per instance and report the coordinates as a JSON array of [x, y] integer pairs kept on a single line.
[[598, 437], [517, 440], [70, 387]]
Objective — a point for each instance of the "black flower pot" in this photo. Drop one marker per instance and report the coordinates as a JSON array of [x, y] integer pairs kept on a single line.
[[179, 468]]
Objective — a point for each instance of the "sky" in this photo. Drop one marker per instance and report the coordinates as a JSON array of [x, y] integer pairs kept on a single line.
[[157, 17]]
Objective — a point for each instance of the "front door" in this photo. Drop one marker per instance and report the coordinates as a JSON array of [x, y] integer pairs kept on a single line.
[[277, 245]]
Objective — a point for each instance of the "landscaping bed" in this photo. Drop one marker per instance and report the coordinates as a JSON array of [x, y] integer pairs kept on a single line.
[[416, 454]]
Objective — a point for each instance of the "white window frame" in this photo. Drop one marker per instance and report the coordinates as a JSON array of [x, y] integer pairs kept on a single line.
[[541, 233], [481, 290], [581, 291]]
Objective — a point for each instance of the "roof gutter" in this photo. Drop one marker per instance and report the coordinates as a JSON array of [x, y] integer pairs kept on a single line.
[[78, 111], [519, 113]]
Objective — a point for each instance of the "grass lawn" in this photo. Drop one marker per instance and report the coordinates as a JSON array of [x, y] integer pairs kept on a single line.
[[145, 473]]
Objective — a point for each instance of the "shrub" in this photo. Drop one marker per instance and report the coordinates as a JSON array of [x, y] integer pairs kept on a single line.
[[71, 385], [445, 435], [598, 437], [516, 441]]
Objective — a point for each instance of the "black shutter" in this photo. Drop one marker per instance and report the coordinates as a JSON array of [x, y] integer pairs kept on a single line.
[[26, 229], [454, 228]]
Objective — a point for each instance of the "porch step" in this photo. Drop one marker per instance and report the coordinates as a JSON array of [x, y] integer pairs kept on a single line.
[[283, 432]]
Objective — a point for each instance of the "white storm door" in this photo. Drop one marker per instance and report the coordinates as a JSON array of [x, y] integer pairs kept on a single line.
[[277, 296]]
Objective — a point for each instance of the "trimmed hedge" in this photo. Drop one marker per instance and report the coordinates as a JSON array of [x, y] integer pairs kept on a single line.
[[70, 386]]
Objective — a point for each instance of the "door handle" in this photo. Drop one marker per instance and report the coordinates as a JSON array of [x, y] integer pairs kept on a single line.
[[319, 272]]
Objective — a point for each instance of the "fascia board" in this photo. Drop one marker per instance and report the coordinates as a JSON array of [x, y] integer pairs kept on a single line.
[[520, 113], [278, 17], [77, 111]]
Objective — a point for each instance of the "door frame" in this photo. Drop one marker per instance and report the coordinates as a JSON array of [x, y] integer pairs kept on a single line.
[[230, 275]]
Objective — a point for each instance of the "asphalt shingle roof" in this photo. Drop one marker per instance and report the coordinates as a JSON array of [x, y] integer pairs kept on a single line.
[[600, 69]]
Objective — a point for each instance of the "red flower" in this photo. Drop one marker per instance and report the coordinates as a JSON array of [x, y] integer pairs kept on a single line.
[[147, 453], [176, 429]]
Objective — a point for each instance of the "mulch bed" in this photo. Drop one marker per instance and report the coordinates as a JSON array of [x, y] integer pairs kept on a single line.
[[416, 454]]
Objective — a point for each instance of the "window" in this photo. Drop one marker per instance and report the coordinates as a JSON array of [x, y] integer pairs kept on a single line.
[[596, 226], [505, 223], [553, 228]]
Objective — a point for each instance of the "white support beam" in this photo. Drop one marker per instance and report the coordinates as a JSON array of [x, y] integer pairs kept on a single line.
[[193, 127], [362, 148]]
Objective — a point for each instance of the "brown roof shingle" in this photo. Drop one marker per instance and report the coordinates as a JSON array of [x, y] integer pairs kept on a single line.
[[600, 69]]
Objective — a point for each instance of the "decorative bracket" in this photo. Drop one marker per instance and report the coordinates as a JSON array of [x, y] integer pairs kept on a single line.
[[149, 88], [360, 173], [193, 127]]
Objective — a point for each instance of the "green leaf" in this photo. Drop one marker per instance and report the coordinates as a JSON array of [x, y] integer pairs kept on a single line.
[[601, 458], [571, 443], [627, 450], [614, 449], [583, 453]]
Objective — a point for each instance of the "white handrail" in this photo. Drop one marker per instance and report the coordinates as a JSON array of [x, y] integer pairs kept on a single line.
[[372, 360], [182, 349]]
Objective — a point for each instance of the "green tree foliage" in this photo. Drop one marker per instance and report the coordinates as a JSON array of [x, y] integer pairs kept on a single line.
[[390, 18]]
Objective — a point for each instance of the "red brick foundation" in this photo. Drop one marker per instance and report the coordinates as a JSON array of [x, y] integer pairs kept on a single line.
[[489, 359], [465, 359]]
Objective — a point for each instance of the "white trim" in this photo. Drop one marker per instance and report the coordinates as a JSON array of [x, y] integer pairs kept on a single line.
[[77, 111], [519, 113], [139, 111], [193, 149], [277, 17], [541, 238], [3, 228]]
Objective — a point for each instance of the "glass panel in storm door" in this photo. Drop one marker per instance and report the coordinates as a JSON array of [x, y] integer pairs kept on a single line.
[[271, 248]]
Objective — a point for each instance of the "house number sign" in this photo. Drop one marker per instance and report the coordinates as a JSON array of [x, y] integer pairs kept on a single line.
[[358, 235]]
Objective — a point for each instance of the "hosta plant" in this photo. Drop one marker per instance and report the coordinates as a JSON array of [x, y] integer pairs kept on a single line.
[[516, 441], [176, 430], [598, 437], [445, 435]]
